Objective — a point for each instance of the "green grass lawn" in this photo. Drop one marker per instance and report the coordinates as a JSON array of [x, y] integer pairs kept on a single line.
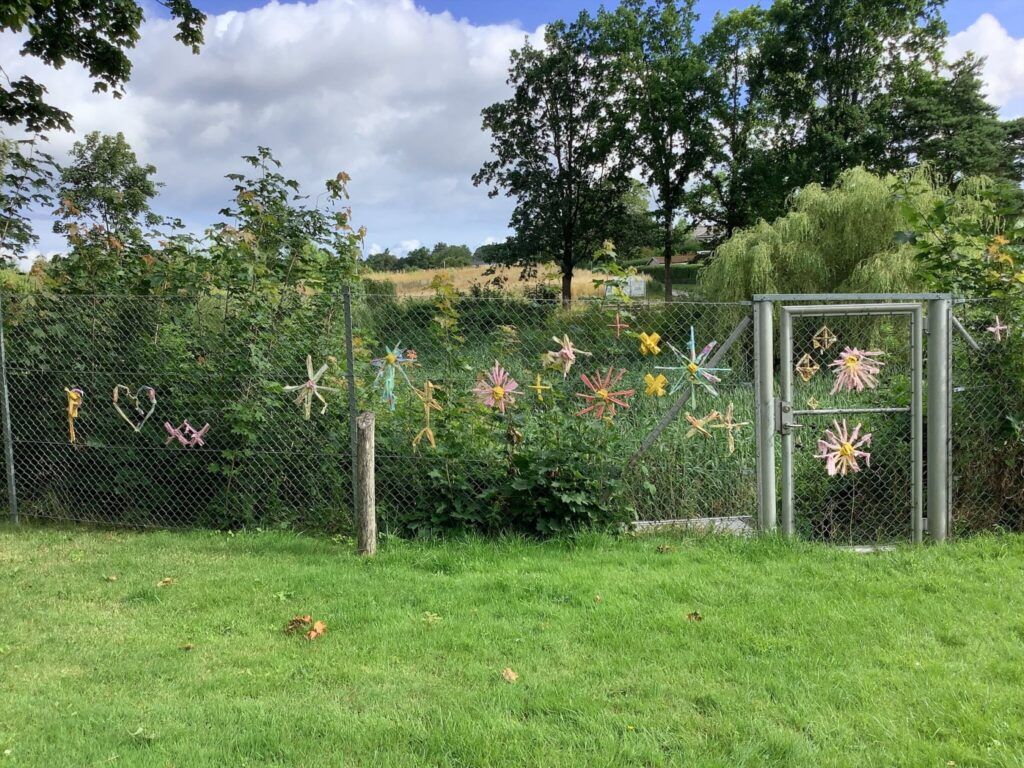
[[806, 656]]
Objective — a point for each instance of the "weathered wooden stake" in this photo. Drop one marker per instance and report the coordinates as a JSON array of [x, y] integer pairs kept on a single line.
[[366, 509]]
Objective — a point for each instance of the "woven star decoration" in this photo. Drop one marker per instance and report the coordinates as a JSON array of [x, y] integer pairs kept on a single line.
[[823, 338], [430, 404], [700, 426], [694, 368], [806, 367], [311, 388], [730, 425], [392, 363], [602, 398]]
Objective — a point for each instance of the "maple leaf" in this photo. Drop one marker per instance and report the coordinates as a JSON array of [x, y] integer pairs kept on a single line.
[[318, 629], [695, 616], [509, 675]]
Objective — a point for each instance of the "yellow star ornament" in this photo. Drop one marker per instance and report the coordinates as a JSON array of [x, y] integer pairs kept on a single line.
[[649, 344], [655, 384]]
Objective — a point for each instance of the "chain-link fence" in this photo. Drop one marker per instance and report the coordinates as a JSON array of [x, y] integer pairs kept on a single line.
[[987, 400], [225, 441]]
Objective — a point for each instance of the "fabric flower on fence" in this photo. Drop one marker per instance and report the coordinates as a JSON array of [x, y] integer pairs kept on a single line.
[[75, 395], [694, 369], [602, 399], [618, 325], [564, 357], [311, 388], [134, 398], [999, 329], [856, 370], [655, 385], [186, 435], [649, 344], [840, 449], [496, 389], [389, 365], [429, 404]]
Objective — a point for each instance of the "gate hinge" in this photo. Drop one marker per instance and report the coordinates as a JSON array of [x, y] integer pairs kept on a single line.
[[784, 418]]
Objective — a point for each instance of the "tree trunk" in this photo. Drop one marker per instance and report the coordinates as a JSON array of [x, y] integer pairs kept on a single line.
[[667, 253], [566, 284]]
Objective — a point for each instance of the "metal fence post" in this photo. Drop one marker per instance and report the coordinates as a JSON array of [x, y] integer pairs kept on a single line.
[[939, 365], [5, 405], [350, 378], [764, 385]]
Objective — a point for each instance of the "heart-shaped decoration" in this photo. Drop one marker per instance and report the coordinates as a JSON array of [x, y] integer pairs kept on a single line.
[[135, 400]]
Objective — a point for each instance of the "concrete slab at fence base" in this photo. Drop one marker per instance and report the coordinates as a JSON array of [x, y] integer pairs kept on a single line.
[[739, 525]]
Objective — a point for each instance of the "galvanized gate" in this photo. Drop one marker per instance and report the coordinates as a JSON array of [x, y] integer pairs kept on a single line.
[[853, 463]]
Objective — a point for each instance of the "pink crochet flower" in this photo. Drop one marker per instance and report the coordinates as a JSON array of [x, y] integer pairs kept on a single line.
[[856, 370], [495, 390], [840, 449], [602, 399]]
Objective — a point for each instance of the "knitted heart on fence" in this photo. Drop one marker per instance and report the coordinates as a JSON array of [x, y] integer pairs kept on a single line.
[[135, 399]]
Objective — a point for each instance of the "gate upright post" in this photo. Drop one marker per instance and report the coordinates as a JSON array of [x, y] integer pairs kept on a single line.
[[939, 363], [764, 388], [5, 404], [350, 379]]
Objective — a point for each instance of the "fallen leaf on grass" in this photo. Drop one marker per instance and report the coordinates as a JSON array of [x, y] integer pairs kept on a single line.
[[112, 577], [597, 598], [664, 549], [186, 647], [509, 675], [311, 629], [430, 619], [695, 616], [166, 581]]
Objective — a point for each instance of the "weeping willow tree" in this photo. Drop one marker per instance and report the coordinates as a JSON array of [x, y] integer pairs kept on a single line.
[[837, 239]]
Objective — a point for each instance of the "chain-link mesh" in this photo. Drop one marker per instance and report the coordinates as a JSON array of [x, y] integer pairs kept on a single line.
[[875, 503], [987, 452], [211, 361], [228, 361], [683, 474]]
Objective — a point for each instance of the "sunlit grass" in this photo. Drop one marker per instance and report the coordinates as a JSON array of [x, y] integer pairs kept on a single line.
[[805, 656], [418, 283]]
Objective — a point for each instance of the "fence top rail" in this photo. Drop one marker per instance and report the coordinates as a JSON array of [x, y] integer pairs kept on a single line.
[[850, 296]]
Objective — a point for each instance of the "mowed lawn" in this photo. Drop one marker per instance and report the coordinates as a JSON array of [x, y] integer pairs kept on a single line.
[[805, 655]]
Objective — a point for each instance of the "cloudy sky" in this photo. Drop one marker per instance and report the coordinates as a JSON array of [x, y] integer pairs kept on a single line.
[[388, 90]]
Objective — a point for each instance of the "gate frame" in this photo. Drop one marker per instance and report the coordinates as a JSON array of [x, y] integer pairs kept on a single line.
[[935, 376]]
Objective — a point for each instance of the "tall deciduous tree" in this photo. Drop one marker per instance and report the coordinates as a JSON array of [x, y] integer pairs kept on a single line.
[[555, 148], [827, 69], [666, 92], [736, 174], [95, 34]]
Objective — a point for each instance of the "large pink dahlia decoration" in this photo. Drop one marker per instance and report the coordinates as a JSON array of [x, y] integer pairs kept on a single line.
[[603, 398], [840, 449], [496, 388], [856, 370]]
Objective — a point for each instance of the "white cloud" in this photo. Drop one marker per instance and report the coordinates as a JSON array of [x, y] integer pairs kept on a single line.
[[379, 88], [1004, 61]]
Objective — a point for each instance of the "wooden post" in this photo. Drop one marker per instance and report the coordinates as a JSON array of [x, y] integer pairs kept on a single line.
[[366, 509]]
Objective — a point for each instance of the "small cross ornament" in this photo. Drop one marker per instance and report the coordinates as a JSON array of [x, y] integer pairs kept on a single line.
[[700, 426], [618, 325], [538, 387], [730, 425], [999, 329]]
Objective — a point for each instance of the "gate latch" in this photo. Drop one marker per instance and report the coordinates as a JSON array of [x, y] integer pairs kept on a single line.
[[784, 417]]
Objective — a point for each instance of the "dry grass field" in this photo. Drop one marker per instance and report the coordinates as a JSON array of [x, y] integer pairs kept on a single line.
[[418, 282]]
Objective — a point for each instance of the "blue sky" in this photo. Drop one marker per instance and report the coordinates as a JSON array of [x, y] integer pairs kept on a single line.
[[389, 91]]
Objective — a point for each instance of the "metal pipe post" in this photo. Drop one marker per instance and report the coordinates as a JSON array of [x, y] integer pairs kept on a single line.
[[917, 422], [764, 384], [788, 439], [5, 405], [350, 379], [939, 365]]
